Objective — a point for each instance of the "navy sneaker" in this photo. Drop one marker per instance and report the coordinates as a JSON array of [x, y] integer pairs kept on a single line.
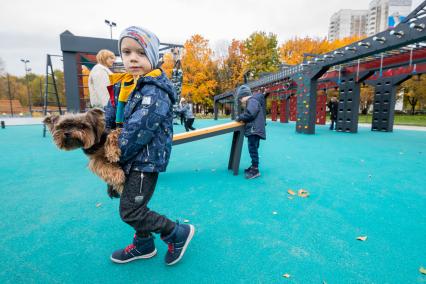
[[247, 170], [140, 248], [177, 242], [253, 173]]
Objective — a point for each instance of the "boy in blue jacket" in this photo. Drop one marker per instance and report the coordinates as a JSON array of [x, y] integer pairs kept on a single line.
[[142, 108], [255, 119]]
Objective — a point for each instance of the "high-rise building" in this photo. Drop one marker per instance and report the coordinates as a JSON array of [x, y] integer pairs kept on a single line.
[[381, 15], [385, 14], [347, 23]]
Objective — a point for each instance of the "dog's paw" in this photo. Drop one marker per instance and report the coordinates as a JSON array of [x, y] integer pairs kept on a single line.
[[112, 150], [112, 192], [119, 188]]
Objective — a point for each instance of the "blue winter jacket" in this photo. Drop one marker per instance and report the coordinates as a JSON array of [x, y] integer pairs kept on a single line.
[[254, 116], [147, 135]]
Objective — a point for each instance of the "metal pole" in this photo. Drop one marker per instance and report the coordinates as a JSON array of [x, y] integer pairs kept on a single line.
[[10, 95], [28, 87], [29, 93]]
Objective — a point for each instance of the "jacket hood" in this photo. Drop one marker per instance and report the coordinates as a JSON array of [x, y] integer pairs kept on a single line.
[[260, 98], [161, 82]]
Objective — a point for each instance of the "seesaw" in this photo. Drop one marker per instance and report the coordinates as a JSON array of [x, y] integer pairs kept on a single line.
[[237, 140]]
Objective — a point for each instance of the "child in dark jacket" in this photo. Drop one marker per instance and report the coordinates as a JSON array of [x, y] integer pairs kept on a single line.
[[332, 107], [255, 119], [142, 107]]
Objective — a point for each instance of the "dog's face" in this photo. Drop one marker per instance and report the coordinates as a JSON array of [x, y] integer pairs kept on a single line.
[[72, 131]]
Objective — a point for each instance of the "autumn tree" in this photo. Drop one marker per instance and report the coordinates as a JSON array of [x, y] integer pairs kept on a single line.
[[198, 71], [18, 90], [366, 98], [3, 80], [292, 51], [1, 67], [168, 64], [231, 69], [261, 52], [415, 91]]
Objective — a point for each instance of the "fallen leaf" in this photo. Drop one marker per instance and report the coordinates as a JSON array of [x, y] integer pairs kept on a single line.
[[422, 270], [98, 204], [290, 197], [274, 212], [291, 192], [303, 193], [186, 221], [286, 275], [362, 238]]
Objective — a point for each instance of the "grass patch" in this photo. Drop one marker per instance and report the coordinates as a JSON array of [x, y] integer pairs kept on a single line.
[[400, 119]]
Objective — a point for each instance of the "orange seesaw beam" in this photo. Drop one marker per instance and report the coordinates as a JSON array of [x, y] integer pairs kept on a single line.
[[208, 130], [237, 128]]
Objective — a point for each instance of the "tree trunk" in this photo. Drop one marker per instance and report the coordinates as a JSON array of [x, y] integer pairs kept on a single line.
[[413, 104]]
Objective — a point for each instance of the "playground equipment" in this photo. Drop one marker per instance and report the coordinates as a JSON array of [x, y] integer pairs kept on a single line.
[[402, 46], [237, 128], [50, 81]]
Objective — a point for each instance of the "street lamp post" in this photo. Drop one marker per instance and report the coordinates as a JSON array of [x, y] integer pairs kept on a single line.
[[110, 24], [27, 69]]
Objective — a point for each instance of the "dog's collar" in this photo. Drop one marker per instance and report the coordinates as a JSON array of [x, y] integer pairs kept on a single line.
[[97, 146]]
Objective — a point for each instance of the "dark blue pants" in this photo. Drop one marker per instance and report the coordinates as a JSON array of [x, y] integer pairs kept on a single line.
[[253, 146], [332, 124]]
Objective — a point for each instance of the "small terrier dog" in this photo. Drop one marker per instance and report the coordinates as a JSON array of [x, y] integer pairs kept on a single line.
[[87, 131]]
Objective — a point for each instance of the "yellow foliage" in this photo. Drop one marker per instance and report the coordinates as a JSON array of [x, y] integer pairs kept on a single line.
[[231, 69], [168, 64], [198, 68], [262, 53], [291, 51], [415, 91]]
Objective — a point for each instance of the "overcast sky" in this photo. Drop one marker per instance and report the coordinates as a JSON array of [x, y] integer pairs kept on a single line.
[[30, 29]]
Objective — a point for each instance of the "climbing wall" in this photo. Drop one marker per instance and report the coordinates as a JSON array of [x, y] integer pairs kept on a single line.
[[293, 108], [274, 108], [347, 112], [321, 109], [384, 102], [284, 110]]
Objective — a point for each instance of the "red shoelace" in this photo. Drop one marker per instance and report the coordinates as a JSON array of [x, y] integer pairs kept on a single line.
[[171, 247], [129, 248]]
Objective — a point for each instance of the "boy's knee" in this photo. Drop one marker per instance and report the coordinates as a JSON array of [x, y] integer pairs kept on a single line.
[[130, 210]]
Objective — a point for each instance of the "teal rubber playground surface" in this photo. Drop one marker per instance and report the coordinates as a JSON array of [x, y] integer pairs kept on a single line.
[[59, 226]]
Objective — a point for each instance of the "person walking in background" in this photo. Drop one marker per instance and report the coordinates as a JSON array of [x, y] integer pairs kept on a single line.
[[99, 79], [332, 108], [181, 112], [189, 115]]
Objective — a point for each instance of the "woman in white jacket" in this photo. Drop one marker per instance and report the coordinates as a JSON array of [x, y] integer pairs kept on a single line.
[[99, 78]]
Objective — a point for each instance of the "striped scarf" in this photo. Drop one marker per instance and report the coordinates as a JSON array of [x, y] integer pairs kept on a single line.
[[127, 85]]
